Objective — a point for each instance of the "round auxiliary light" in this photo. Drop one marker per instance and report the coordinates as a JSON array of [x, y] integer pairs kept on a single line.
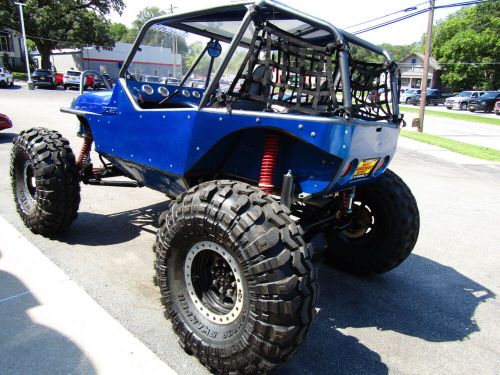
[[163, 91], [148, 90], [186, 93], [196, 94]]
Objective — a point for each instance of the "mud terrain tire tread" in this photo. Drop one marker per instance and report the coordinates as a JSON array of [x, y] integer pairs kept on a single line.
[[282, 281], [57, 180], [397, 241]]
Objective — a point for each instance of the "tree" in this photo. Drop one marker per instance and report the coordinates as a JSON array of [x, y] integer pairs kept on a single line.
[[118, 31], [471, 35], [142, 17], [398, 52], [61, 23]]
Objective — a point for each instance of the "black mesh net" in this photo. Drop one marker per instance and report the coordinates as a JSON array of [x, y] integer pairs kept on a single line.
[[370, 90], [282, 69]]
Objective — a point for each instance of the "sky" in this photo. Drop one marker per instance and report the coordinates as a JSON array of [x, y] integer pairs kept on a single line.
[[341, 13]]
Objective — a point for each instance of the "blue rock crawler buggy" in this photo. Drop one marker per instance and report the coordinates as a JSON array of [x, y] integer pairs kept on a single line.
[[276, 157]]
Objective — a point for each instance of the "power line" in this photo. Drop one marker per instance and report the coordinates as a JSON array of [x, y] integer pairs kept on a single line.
[[469, 63], [410, 8], [402, 18]]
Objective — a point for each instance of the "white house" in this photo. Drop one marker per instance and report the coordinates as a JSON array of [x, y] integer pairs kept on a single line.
[[11, 54], [412, 67]]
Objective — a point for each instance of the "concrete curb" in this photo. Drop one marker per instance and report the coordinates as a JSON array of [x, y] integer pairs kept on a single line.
[[40, 303]]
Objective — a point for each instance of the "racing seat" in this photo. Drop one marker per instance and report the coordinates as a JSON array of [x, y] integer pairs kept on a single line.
[[255, 88]]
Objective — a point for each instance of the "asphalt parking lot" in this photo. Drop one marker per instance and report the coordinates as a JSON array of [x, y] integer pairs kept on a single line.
[[435, 314]]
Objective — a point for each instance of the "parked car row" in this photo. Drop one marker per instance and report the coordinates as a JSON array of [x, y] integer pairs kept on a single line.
[[433, 96], [471, 100], [70, 79]]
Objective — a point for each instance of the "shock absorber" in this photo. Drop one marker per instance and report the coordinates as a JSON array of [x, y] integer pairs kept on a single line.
[[269, 160], [84, 154]]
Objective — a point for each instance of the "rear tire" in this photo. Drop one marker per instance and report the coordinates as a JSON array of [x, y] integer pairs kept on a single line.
[[45, 180], [383, 232], [260, 321]]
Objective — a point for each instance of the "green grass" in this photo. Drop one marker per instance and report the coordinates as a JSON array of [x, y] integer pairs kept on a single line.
[[455, 116], [20, 76], [474, 151]]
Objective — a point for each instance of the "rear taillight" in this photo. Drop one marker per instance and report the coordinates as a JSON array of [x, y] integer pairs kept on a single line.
[[65, 76], [349, 167], [381, 164]]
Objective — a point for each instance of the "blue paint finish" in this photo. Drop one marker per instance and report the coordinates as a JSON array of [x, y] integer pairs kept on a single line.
[[176, 140]]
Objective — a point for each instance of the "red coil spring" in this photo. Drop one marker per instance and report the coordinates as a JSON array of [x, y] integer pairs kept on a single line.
[[85, 150], [269, 159]]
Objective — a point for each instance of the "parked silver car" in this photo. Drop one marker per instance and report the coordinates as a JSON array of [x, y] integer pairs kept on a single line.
[[405, 96], [461, 100]]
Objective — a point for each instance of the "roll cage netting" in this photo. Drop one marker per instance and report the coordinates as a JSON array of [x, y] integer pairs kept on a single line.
[[305, 78]]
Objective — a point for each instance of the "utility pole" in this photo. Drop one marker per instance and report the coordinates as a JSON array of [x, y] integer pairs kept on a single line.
[[30, 82], [423, 85]]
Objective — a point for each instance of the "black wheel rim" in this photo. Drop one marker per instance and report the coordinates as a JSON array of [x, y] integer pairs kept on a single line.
[[214, 282], [363, 223]]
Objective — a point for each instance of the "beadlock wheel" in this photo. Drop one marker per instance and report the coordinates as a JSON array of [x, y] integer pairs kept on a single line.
[[213, 280]]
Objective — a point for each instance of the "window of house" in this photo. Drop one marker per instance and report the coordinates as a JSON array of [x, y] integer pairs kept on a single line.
[[4, 43], [413, 61]]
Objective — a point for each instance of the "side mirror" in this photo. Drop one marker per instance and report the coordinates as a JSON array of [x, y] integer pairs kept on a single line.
[[214, 49]]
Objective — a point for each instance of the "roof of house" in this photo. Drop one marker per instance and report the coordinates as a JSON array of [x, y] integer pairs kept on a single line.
[[432, 61]]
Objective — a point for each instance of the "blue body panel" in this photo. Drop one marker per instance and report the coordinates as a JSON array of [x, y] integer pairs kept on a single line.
[[180, 141]]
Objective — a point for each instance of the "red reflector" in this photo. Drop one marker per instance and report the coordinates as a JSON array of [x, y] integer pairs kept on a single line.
[[346, 170], [381, 163]]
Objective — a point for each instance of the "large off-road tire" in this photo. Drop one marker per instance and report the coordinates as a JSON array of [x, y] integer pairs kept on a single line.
[[384, 228], [236, 277], [45, 180]]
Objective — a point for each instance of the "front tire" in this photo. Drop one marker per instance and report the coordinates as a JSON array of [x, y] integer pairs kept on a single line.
[[384, 228], [236, 277], [45, 180], [463, 106]]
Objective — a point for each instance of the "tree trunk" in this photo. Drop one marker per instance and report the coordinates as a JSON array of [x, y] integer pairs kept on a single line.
[[44, 50]]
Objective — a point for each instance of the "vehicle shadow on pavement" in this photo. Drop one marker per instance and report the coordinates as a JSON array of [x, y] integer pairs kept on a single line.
[[94, 229], [14, 87], [7, 137], [421, 298], [27, 347]]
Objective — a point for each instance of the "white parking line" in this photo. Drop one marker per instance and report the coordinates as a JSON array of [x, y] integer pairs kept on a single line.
[[60, 306]]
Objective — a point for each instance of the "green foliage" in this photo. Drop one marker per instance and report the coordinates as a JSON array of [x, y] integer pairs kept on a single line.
[[194, 51], [118, 31], [63, 23], [142, 17], [470, 35], [397, 51]]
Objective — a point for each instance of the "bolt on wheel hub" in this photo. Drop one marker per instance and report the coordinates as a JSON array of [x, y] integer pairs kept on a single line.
[[214, 283]]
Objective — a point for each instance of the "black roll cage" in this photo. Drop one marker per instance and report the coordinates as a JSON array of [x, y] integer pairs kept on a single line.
[[250, 10]]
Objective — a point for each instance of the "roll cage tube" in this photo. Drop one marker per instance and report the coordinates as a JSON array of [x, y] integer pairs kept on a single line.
[[192, 68], [341, 38]]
